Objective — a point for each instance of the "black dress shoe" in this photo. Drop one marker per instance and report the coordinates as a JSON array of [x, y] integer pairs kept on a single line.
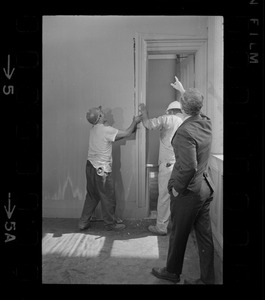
[[162, 273], [193, 281]]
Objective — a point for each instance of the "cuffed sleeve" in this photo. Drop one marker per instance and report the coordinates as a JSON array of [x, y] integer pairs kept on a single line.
[[154, 123]]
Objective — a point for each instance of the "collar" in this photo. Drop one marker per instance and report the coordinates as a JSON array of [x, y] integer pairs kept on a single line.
[[186, 118]]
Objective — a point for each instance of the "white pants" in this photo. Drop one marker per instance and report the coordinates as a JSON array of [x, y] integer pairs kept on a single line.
[[163, 202]]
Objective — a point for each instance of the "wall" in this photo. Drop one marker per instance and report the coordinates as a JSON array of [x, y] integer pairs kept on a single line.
[[88, 61], [215, 112], [216, 208], [215, 81]]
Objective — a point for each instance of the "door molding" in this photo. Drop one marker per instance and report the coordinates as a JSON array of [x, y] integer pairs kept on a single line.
[[160, 44]]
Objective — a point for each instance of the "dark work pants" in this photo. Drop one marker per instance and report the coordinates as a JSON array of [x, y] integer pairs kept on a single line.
[[99, 188], [192, 210]]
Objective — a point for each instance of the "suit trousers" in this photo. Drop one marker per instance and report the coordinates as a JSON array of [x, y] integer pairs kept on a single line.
[[99, 188], [191, 210]]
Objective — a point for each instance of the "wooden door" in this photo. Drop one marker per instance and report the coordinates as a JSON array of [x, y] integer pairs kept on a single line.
[[186, 70]]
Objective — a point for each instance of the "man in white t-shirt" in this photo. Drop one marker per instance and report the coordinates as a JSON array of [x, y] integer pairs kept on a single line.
[[100, 186], [167, 124]]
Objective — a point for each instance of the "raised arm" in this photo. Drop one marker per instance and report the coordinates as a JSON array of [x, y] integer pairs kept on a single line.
[[154, 123], [177, 85], [131, 129]]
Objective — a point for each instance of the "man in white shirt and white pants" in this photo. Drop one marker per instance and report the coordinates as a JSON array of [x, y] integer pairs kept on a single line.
[[167, 124], [100, 186]]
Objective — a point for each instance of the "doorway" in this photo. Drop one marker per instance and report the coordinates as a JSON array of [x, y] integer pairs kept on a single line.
[[188, 50], [161, 71]]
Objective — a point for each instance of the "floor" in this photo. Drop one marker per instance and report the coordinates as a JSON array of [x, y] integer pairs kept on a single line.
[[96, 256]]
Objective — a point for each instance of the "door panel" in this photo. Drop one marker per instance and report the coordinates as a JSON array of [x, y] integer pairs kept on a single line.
[[186, 71], [159, 93]]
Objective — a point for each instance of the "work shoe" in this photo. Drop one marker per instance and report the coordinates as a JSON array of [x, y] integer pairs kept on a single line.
[[115, 227], [83, 226], [162, 273], [118, 220], [156, 231]]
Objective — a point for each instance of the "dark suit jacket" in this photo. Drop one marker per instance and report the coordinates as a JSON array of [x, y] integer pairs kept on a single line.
[[192, 147]]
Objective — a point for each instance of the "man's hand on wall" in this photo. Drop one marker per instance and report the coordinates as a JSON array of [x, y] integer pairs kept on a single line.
[[142, 108]]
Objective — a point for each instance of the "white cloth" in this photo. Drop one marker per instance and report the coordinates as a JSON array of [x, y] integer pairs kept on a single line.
[[100, 146], [167, 124], [163, 202]]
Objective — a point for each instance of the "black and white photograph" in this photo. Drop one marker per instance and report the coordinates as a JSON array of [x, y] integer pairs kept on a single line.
[[132, 149]]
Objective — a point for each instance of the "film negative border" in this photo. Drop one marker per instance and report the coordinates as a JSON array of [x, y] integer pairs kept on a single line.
[[21, 92], [21, 81]]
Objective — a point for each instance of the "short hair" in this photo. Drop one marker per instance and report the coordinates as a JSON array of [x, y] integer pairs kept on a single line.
[[192, 101]]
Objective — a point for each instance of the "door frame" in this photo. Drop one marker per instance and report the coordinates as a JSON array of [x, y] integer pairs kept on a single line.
[[160, 44]]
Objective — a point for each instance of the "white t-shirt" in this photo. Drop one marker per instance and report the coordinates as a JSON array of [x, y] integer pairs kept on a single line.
[[167, 124], [100, 146]]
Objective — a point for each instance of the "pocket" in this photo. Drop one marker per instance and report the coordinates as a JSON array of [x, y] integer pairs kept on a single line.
[[169, 164], [209, 182]]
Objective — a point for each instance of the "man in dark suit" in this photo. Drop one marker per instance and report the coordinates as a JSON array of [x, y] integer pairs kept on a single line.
[[191, 192]]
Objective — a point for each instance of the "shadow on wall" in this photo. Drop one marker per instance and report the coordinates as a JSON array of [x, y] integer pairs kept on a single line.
[[115, 118]]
